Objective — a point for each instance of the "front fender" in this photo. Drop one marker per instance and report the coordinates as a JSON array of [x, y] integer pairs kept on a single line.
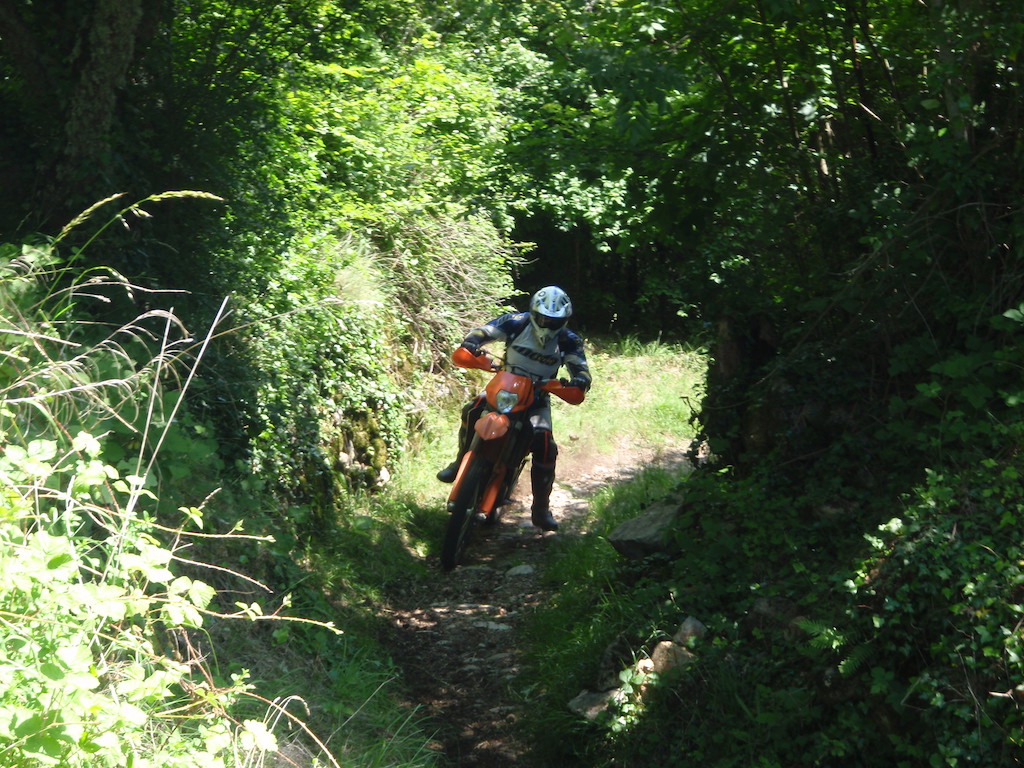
[[492, 426]]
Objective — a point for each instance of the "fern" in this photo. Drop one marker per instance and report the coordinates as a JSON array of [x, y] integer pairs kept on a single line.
[[825, 637], [855, 659]]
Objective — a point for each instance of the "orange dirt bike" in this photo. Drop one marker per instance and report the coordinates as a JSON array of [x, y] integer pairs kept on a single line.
[[498, 450]]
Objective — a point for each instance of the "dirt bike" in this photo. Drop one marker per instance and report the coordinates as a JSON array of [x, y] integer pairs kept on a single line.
[[499, 448]]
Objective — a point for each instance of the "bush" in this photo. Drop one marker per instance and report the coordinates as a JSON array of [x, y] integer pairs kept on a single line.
[[117, 604], [97, 620]]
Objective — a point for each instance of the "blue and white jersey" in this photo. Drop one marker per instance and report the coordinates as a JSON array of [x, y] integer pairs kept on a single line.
[[523, 350]]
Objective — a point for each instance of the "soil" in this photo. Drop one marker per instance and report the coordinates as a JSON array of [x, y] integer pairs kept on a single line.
[[454, 634]]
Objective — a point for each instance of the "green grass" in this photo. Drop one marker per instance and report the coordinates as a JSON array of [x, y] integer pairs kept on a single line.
[[643, 398], [343, 689]]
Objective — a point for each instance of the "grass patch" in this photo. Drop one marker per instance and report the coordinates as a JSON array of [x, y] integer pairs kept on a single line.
[[344, 689], [644, 397]]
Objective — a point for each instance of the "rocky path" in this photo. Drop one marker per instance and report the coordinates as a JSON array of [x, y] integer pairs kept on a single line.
[[454, 634]]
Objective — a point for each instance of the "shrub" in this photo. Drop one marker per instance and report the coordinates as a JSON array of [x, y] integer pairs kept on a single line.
[[102, 615]]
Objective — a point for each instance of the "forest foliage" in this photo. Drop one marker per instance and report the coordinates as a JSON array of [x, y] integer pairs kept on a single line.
[[825, 193]]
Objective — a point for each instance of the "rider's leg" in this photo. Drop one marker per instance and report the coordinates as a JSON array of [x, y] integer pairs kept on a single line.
[[542, 470], [470, 413]]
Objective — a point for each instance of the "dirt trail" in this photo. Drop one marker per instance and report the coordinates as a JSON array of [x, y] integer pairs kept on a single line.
[[454, 635]]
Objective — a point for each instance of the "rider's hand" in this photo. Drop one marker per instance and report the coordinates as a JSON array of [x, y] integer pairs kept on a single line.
[[579, 381], [473, 347]]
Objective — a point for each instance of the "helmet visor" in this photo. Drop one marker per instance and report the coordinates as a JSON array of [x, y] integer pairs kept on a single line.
[[549, 323]]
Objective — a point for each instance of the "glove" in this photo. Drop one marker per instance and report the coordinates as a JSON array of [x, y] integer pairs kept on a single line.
[[472, 346], [579, 381]]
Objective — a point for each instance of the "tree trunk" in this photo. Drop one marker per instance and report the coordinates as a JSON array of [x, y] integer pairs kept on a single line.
[[91, 111]]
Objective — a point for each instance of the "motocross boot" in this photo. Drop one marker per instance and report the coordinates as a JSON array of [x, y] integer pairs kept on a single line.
[[449, 473], [542, 478]]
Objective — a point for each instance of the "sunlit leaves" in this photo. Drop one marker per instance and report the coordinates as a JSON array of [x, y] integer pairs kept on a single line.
[[418, 135]]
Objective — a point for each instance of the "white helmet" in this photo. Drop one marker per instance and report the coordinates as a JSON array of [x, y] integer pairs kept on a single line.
[[550, 310]]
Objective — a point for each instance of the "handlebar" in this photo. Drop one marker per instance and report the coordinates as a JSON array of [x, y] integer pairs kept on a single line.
[[463, 358]]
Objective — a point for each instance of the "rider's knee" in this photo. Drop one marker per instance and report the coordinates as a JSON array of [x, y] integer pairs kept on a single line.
[[544, 448]]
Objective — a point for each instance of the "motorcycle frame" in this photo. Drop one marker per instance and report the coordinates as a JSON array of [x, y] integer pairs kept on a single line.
[[493, 443]]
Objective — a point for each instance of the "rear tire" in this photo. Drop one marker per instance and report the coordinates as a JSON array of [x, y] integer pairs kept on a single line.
[[463, 513]]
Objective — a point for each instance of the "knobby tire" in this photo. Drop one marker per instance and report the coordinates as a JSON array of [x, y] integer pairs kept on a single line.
[[460, 523]]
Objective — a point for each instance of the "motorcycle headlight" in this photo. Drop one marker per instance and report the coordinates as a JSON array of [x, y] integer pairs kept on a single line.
[[506, 401]]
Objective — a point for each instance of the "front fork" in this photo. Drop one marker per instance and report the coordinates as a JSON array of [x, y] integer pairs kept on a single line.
[[496, 439]]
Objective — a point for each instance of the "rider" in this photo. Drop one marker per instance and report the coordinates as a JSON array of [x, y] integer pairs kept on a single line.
[[538, 342]]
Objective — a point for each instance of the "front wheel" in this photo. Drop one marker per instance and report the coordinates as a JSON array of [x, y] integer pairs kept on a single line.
[[463, 511]]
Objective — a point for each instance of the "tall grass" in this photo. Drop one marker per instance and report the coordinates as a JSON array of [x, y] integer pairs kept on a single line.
[[91, 598], [111, 618]]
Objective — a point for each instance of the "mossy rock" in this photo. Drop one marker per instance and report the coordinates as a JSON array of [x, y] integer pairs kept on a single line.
[[360, 440]]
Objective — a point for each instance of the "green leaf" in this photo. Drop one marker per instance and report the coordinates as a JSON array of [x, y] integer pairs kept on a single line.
[[105, 600], [32, 724], [194, 514], [58, 560], [179, 612], [1016, 314], [977, 394], [87, 444], [201, 594], [256, 735], [49, 558], [151, 561], [47, 744], [79, 668], [51, 670]]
